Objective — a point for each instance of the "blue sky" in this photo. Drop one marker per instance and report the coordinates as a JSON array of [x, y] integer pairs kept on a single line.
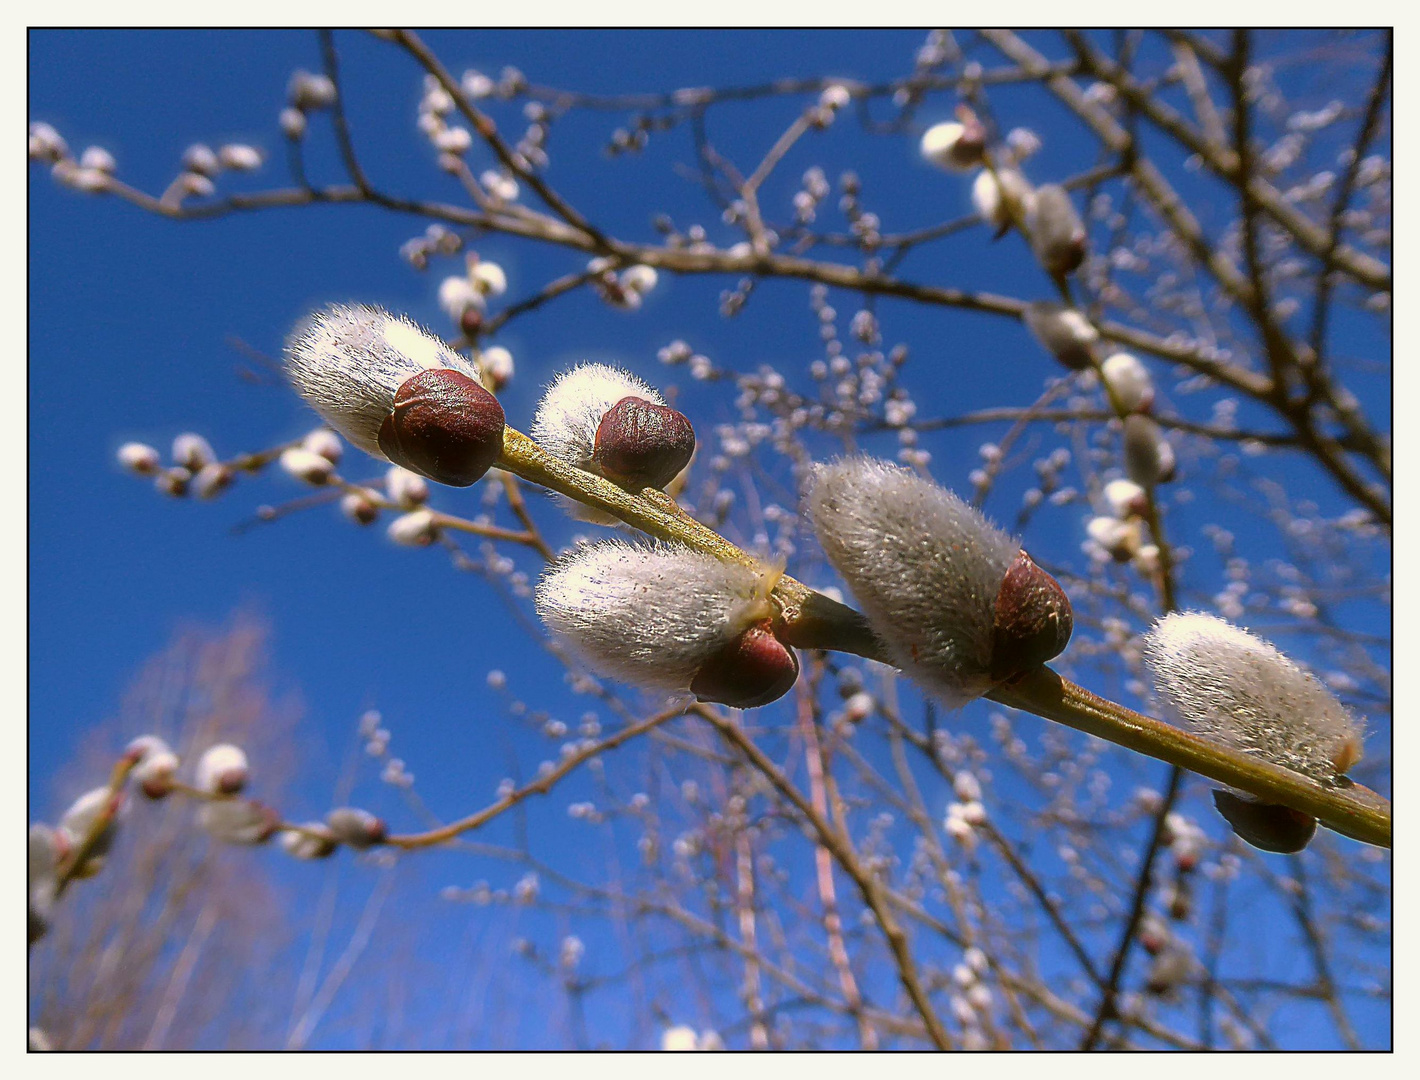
[[132, 317]]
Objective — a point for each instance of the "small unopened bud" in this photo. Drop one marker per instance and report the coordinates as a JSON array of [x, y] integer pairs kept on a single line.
[[311, 841], [1130, 381], [418, 528], [1224, 684], [156, 765], [639, 278], [211, 481], [1125, 498], [488, 278], [670, 618], [1057, 235], [1266, 825], [293, 123], [46, 144], [358, 828], [957, 603], [95, 809], [1064, 332], [679, 1038], [192, 451], [1169, 971], [139, 458], [405, 489], [1002, 198], [1148, 457], [453, 140], [326, 443], [307, 92], [359, 509], [239, 157], [199, 158], [239, 821], [496, 365], [1120, 539], [173, 482], [398, 392], [222, 769], [97, 159], [306, 465], [457, 295], [608, 421], [955, 146]]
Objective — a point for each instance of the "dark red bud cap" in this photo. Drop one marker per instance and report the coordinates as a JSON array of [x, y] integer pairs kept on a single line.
[[445, 426], [642, 445], [1033, 620], [1266, 825], [754, 669]]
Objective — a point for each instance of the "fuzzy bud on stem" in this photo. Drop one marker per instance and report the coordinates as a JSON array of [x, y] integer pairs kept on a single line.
[[1057, 235], [239, 821], [671, 619], [222, 769], [958, 604], [358, 828], [611, 423], [311, 841], [1065, 333], [1148, 457], [155, 765], [397, 392], [1225, 684]]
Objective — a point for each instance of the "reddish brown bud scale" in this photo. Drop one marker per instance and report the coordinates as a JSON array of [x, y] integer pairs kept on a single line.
[[640, 445], [444, 426], [1033, 620], [1267, 826], [754, 669]]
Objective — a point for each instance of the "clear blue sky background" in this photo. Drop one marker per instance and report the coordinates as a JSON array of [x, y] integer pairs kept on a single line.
[[131, 316]]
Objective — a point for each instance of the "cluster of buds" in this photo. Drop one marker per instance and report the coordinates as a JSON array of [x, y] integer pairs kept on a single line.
[[671, 619], [1118, 533], [398, 392], [464, 297], [434, 108], [609, 422], [957, 603], [625, 290], [1225, 684], [435, 240], [305, 94], [194, 467], [956, 145]]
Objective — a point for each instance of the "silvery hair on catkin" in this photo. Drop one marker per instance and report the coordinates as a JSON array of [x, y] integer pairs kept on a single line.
[[924, 565], [1223, 683], [348, 361], [650, 615], [572, 408]]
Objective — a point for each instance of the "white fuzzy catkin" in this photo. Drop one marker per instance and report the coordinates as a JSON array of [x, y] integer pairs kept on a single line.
[[572, 408], [650, 615], [222, 768], [348, 361], [1129, 379], [924, 565], [986, 195], [238, 821], [1223, 683]]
